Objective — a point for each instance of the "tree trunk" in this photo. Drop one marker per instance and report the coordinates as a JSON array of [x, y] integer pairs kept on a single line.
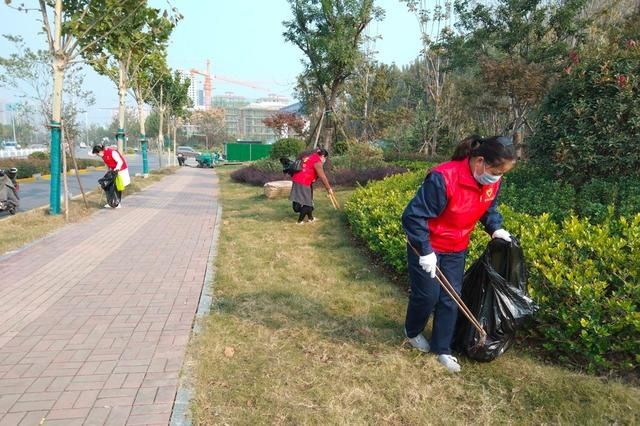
[[59, 65], [141, 117], [75, 166], [64, 175], [328, 135], [143, 139], [318, 130], [175, 138], [365, 129], [160, 134], [168, 120], [122, 94]]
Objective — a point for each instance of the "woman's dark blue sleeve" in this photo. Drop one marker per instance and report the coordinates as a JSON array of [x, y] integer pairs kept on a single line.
[[492, 219], [429, 202]]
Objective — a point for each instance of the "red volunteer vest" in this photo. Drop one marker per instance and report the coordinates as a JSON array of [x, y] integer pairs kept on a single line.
[[467, 201], [307, 175], [110, 162]]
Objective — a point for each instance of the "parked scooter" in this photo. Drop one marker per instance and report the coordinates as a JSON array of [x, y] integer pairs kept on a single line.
[[9, 187]]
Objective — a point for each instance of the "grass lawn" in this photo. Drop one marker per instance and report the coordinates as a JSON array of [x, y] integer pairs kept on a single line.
[[304, 329], [26, 227]]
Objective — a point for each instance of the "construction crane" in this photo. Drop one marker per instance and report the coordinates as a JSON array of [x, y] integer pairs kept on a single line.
[[208, 86]]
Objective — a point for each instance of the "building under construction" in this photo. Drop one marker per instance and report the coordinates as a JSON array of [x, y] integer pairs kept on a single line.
[[243, 117]]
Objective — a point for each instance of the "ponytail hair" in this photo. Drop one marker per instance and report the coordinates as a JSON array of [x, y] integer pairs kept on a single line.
[[495, 150], [307, 152], [323, 152]]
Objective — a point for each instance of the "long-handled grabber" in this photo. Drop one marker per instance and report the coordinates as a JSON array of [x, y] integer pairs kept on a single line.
[[446, 285], [334, 200]]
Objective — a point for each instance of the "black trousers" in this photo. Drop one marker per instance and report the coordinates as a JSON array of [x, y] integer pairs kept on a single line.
[[303, 210], [427, 298]]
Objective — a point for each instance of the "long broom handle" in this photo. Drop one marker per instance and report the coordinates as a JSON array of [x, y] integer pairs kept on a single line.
[[446, 285]]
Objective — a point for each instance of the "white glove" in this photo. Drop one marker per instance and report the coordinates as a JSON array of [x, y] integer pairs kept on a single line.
[[428, 263], [502, 234]]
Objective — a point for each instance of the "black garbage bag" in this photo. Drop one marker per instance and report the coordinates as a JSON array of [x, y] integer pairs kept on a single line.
[[108, 184], [290, 167], [9, 199], [495, 290]]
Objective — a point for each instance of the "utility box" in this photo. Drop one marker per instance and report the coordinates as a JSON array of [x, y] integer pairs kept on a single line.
[[246, 151]]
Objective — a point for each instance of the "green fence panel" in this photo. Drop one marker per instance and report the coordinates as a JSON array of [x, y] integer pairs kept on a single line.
[[246, 151]]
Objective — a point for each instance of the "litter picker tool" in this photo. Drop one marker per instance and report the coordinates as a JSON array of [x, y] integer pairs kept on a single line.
[[446, 285], [334, 200]]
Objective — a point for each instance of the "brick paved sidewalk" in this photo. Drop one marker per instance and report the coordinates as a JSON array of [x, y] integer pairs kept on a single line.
[[94, 320]]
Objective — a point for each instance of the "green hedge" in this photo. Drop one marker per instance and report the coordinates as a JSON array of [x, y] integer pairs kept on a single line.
[[533, 190], [415, 165], [268, 165], [589, 122], [287, 147], [585, 277], [29, 167], [529, 189]]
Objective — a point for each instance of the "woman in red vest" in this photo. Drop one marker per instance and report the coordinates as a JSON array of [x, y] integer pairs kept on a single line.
[[302, 188], [438, 222], [116, 162]]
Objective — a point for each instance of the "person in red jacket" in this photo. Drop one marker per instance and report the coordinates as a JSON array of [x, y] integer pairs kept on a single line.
[[302, 188], [116, 162], [438, 223]]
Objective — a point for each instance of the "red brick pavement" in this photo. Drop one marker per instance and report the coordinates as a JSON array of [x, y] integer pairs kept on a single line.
[[95, 319]]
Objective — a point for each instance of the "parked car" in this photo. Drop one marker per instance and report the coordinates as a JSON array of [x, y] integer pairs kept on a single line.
[[83, 145], [9, 145], [39, 147], [187, 151]]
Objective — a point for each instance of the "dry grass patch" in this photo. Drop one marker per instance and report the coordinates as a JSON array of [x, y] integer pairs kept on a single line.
[[26, 227], [316, 332]]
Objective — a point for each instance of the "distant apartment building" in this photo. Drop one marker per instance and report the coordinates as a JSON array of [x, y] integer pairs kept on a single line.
[[196, 89], [243, 119], [231, 105]]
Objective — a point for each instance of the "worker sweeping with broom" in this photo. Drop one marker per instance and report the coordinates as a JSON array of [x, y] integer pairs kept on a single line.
[[438, 223]]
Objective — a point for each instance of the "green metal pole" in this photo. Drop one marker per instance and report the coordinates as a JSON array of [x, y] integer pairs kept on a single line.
[[120, 136], [55, 170], [145, 159]]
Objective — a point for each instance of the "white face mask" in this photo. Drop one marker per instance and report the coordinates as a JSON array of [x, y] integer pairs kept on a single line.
[[486, 178]]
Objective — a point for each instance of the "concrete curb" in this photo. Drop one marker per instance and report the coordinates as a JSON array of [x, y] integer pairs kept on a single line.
[[180, 413]]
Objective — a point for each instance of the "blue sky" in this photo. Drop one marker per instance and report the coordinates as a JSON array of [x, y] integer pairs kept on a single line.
[[242, 38]]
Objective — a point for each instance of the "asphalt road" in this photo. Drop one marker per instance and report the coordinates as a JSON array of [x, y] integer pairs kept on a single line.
[[36, 194]]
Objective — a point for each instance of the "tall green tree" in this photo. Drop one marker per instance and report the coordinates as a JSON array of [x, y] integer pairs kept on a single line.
[[330, 34], [170, 97], [147, 72], [435, 24], [28, 73], [589, 123], [369, 98], [76, 27], [126, 50], [516, 48]]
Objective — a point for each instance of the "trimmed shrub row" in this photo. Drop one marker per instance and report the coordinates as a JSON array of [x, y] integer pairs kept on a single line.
[[534, 190], [259, 174], [585, 277], [253, 175], [29, 167], [267, 170]]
